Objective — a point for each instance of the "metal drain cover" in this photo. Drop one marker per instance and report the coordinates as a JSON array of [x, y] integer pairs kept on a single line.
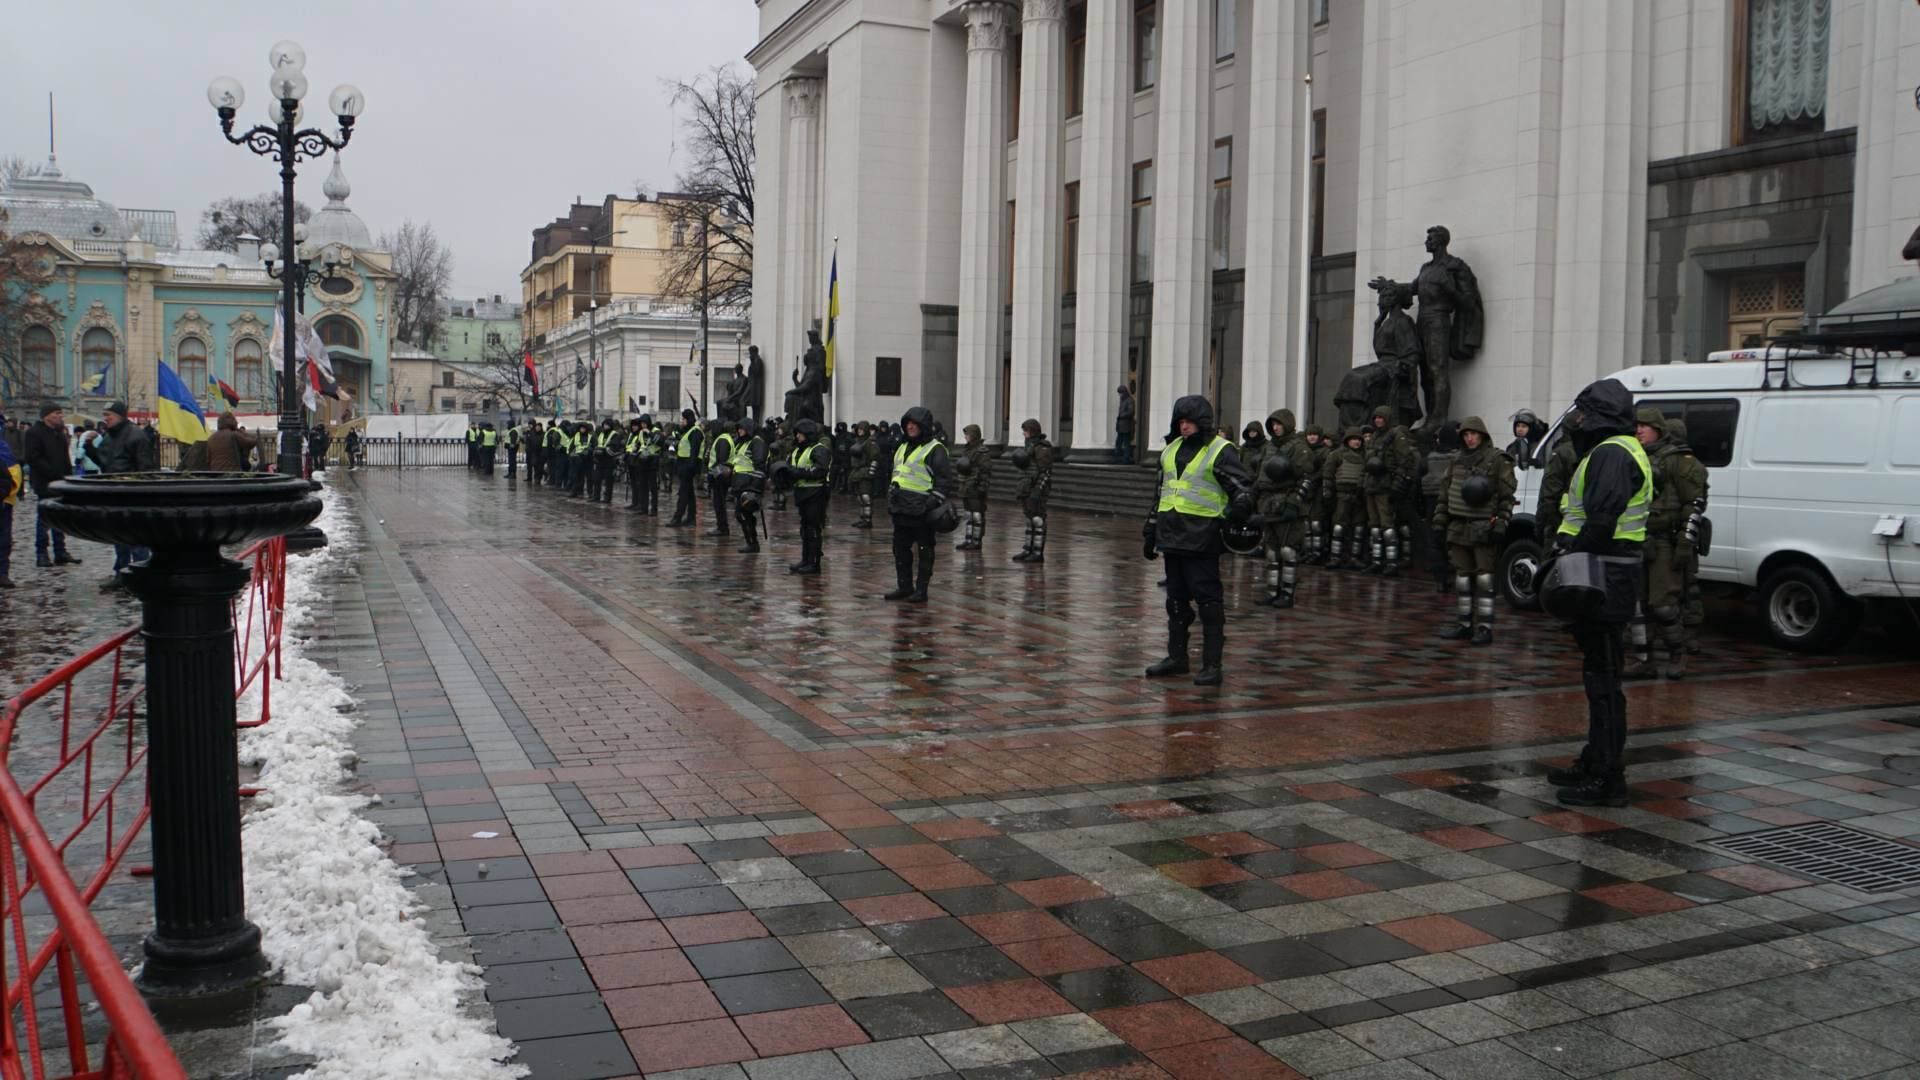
[[1844, 856]]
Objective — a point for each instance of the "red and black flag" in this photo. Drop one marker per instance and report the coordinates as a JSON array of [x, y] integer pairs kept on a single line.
[[533, 375]]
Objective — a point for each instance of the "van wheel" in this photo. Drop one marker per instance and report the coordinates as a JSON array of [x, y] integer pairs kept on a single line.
[[1804, 611], [1520, 574]]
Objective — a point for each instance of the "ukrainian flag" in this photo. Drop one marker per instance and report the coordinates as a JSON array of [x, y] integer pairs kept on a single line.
[[178, 414], [833, 307], [94, 383]]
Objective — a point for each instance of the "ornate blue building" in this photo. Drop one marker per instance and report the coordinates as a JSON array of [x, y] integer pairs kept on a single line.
[[109, 292]]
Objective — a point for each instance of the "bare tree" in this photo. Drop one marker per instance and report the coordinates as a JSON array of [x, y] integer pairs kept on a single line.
[[714, 222], [13, 167], [424, 268], [225, 221]]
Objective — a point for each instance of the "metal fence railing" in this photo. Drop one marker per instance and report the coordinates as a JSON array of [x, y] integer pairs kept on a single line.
[[404, 453]]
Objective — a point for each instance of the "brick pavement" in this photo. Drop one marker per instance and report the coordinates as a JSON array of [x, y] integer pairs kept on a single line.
[[693, 814]]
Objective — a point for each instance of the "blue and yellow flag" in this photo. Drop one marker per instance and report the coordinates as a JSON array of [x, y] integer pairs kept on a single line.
[[96, 382], [177, 413], [833, 306]]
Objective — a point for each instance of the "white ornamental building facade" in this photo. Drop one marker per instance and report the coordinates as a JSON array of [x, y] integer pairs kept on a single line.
[[1036, 203]]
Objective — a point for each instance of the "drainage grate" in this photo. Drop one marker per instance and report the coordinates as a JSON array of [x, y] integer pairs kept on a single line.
[[1835, 853]]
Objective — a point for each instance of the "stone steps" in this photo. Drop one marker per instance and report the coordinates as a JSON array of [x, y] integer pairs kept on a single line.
[[1102, 489]]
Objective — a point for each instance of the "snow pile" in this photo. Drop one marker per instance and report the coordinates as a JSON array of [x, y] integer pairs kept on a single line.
[[330, 904]]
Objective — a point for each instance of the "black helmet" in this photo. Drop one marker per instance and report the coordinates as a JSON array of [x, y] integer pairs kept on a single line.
[[1376, 463], [1477, 490], [1279, 469], [1018, 455], [963, 464]]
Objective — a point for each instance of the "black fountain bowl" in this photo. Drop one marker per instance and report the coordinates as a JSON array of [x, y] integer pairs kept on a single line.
[[178, 510]]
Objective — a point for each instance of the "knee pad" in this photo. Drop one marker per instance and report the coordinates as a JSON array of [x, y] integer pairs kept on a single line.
[[1483, 583], [1274, 558], [1462, 585], [1288, 555], [1180, 611]]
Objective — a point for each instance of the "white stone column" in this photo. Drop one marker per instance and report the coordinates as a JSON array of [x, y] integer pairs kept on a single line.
[[1278, 40], [983, 201], [1040, 217], [1886, 167], [1102, 275], [769, 288], [1182, 207], [800, 272]]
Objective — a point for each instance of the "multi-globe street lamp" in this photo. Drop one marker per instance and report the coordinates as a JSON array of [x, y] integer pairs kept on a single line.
[[282, 139], [304, 264]]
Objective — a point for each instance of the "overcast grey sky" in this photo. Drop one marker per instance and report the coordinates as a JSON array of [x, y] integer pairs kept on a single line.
[[485, 117]]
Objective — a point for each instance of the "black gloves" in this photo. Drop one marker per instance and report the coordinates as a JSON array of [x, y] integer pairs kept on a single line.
[[1150, 534], [1240, 509]]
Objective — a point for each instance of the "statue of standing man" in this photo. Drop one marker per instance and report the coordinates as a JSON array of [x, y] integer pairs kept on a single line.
[[806, 401], [1451, 320]]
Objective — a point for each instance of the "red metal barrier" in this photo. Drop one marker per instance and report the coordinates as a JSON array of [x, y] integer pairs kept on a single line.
[[64, 834]]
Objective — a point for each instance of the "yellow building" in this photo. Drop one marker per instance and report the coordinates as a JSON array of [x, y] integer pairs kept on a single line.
[[619, 248]]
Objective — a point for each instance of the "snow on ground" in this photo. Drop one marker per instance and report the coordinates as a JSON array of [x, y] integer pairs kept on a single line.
[[329, 902]]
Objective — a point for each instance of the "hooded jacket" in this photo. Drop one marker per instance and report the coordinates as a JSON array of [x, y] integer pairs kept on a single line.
[[1036, 479], [1282, 500], [914, 506], [1184, 534], [1603, 410], [813, 466], [1393, 445], [979, 475]]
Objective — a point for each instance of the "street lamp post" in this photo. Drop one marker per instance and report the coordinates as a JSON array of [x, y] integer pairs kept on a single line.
[[287, 143], [301, 265]]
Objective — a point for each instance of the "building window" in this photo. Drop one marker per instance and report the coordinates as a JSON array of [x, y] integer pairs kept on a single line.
[[493, 339], [886, 376], [36, 348], [1223, 29], [1222, 201], [97, 354], [1142, 222], [248, 369], [1780, 68], [679, 234], [1318, 178], [1076, 60], [1319, 11], [446, 380], [341, 333], [446, 404], [1070, 258], [1146, 47], [190, 363], [1763, 306]]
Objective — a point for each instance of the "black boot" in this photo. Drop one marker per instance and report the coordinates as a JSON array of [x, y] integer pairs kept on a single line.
[[1573, 775], [926, 576], [1213, 641], [1609, 789], [1179, 618], [902, 576]]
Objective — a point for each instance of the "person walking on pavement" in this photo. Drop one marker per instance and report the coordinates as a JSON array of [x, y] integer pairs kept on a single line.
[[1035, 462], [975, 466], [807, 468], [1123, 424], [124, 448], [1201, 484], [1604, 514], [922, 481], [1475, 504], [48, 457], [686, 467]]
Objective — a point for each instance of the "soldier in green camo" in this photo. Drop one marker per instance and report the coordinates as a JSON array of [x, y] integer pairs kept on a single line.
[[1280, 482], [1679, 487], [1392, 462], [974, 463], [1474, 505], [1693, 605], [1553, 484], [864, 460], [780, 448], [1319, 500], [1035, 461], [1343, 475]]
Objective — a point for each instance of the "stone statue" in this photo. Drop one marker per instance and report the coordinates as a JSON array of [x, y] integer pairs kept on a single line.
[[756, 383], [733, 401], [1451, 322], [806, 400]]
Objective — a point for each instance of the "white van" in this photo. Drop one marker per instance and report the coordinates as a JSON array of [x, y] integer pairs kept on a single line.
[[1814, 460]]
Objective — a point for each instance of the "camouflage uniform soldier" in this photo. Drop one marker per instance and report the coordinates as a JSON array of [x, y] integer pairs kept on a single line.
[[1679, 484], [1319, 502], [779, 448], [1343, 476], [1693, 605], [1475, 504], [974, 463], [1392, 462], [1553, 485], [1036, 462], [1280, 483], [863, 458]]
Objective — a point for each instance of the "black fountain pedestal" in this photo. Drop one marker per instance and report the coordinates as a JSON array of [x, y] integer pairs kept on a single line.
[[202, 943]]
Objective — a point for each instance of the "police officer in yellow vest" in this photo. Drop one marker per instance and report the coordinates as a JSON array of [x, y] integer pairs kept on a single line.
[[922, 482], [686, 467], [1604, 513], [489, 445], [1202, 484], [643, 466], [720, 476], [806, 469], [748, 464]]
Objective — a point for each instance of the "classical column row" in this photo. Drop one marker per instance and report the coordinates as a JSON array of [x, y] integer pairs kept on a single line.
[[801, 299], [1040, 213], [983, 200], [1101, 272]]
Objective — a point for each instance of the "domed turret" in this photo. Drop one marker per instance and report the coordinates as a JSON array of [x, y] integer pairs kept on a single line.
[[335, 224]]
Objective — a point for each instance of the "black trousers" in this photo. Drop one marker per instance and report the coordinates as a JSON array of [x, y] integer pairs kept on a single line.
[[909, 536], [578, 468], [513, 462], [719, 489], [606, 475], [1193, 579], [812, 504], [486, 458], [646, 485], [683, 509], [1602, 659], [536, 464]]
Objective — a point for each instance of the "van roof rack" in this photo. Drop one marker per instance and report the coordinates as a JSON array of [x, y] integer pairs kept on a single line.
[[1863, 329]]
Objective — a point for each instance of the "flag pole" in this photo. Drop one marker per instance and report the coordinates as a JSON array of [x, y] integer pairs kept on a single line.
[[833, 386]]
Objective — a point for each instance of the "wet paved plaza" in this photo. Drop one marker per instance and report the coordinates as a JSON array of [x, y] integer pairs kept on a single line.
[[696, 817]]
